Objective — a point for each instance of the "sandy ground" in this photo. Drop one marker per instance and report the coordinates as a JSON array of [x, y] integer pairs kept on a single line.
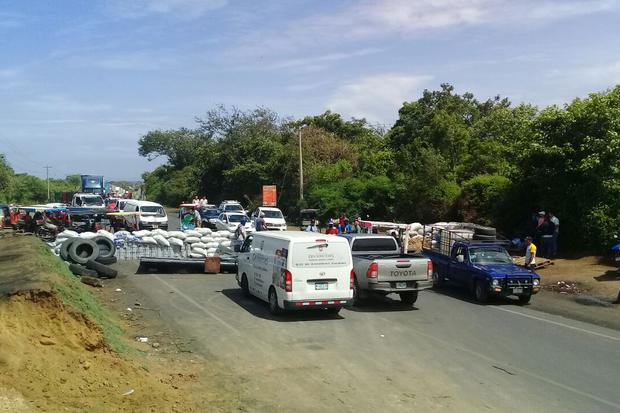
[[54, 358]]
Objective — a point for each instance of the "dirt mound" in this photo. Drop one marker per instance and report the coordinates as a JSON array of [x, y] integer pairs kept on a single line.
[[54, 357]]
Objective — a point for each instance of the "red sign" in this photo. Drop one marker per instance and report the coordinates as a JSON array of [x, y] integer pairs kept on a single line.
[[270, 197]]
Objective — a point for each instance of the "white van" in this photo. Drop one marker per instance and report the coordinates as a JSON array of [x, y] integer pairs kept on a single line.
[[296, 270], [150, 215]]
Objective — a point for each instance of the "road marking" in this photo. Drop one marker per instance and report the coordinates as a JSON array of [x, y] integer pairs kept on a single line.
[[495, 363], [198, 305], [557, 323]]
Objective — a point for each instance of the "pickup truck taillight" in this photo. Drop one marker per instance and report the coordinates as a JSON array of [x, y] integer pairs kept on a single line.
[[373, 270], [351, 280], [288, 281], [429, 270]]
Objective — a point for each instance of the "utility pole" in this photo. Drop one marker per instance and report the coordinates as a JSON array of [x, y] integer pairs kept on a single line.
[[301, 169], [47, 173]]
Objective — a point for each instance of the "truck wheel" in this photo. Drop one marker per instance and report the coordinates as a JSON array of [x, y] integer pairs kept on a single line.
[[481, 293], [274, 307], [244, 286], [524, 299], [438, 281], [357, 299], [408, 297]]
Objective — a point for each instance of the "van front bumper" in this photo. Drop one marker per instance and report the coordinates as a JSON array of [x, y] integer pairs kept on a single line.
[[391, 286], [305, 304]]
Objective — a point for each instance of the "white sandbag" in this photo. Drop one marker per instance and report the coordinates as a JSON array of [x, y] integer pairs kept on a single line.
[[420, 231], [203, 231], [199, 250], [175, 242], [191, 240], [192, 233], [161, 232], [68, 234], [149, 240], [210, 254], [107, 234], [122, 234], [140, 234], [207, 238], [226, 243], [212, 244], [88, 235], [177, 234], [161, 240], [196, 255], [211, 250], [199, 245], [59, 241]]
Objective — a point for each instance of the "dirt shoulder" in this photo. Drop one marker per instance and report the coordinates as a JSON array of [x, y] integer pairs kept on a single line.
[[62, 350]]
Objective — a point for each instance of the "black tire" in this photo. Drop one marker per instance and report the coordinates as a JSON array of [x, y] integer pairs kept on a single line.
[[103, 270], [438, 280], [106, 246], [481, 292], [334, 310], [481, 237], [107, 260], [524, 299], [244, 286], [408, 297], [357, 299], [274, 307], [485, 231], [83, 250], [64, 248], [80, 270]]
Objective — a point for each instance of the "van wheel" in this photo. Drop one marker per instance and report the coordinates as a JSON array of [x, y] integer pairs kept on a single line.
[[244, 286], [481, 294], [408, 297], [273, 302], [334, 310]]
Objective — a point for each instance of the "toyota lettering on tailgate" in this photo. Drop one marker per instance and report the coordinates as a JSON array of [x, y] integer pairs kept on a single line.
[[402, 273]]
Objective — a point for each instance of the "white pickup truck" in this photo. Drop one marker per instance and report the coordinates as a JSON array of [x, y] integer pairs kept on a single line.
[[381, 268]]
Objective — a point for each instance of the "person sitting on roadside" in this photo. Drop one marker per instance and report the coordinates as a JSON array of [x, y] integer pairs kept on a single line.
[[347, 228], [313, 227], [530, 254], [357, 227], [331, 229]]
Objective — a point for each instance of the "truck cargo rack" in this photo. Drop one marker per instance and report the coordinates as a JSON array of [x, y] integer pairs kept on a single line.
[[440, 239]]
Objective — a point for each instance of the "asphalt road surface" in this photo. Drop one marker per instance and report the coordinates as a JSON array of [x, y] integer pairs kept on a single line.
[[445, 354]]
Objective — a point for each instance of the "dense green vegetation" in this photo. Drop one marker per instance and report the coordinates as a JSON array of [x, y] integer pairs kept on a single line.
[[448, 156]]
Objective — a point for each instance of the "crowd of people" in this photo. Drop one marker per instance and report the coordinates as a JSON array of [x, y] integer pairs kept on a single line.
[[343, 226]]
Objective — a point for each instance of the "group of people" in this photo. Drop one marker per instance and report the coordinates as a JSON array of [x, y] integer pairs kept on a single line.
[[202, 202], [546, 227], [343, 226]]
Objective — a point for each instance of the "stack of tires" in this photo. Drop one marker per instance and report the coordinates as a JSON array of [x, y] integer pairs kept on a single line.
[[484, 233], [90, 257]]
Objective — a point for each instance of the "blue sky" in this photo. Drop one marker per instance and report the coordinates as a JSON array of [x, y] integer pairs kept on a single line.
[[81, 81]]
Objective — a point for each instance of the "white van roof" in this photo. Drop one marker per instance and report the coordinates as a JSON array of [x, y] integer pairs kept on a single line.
[[142, 203], [298, 236], [269, 209]]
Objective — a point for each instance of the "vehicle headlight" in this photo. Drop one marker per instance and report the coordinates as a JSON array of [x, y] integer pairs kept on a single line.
[[535, 282], [495, 282]]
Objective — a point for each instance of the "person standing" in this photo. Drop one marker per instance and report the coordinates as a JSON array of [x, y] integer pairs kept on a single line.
[[260, 223], [313, 227], [331, 229], [530, 253], [197, 217], [556, 231]]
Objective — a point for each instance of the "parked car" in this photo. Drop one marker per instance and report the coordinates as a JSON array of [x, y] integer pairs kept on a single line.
[[274, 219], [475, 258], [296, 270], [151, 215], [231, 206], [229, 221], [380, 268], [306, 216], [208, 216]]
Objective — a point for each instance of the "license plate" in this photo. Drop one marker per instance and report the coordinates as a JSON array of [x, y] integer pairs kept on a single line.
[[517, 290], [401, 285], [320, 286]]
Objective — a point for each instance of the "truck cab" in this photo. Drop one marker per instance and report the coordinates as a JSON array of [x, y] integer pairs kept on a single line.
[[482, 265], [87, 200]]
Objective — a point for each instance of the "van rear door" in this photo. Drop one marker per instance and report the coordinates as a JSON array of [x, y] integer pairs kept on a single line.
[[320, 269]]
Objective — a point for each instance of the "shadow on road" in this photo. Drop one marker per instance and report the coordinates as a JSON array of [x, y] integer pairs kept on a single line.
[[611, 275], [260, 309], [377, 304], [461, 293]]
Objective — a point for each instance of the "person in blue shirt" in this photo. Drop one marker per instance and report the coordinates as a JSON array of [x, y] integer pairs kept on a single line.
[[347, 228]]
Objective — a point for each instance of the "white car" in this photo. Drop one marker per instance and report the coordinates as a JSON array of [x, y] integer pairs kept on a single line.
[[274, 219], [229, 221], [231, 206]]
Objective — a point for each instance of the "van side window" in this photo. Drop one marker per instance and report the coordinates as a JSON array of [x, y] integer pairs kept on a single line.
[[247, 244]]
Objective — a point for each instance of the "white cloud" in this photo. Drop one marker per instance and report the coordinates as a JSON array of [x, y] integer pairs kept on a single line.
[[181, 8], [321, 61], [377, 98], [603, 75], [58, 103]]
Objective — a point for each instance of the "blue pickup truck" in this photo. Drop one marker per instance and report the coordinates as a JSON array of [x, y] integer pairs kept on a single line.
[[475, 258]]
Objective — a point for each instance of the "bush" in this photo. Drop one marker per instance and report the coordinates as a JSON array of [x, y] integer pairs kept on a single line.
[[482, 199]]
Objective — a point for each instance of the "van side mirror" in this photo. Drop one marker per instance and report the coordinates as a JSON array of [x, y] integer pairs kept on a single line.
[[460, 258]]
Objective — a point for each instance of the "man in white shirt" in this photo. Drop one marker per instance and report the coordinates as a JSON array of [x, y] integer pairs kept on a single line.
[[554, 242]]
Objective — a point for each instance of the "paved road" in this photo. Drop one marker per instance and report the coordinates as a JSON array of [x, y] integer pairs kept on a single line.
[[446, 354]]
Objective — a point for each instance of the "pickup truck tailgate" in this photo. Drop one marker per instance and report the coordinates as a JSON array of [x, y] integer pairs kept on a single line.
[[402, 269]]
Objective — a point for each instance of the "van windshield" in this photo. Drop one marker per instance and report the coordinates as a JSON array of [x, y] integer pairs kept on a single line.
[[156, 210], [321, 254], [92, 200], [273, 214]]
